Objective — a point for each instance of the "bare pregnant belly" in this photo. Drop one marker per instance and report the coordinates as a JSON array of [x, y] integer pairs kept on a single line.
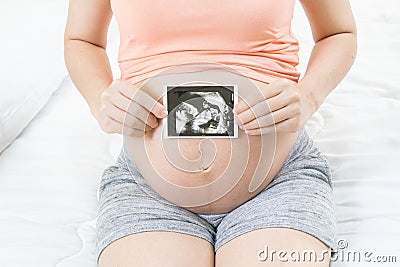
[[210, 175]]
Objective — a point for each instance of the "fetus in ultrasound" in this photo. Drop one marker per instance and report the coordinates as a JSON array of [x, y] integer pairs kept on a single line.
[[203, 115]]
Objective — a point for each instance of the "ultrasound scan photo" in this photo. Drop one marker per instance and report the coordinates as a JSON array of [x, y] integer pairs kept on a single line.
[[200, 111]]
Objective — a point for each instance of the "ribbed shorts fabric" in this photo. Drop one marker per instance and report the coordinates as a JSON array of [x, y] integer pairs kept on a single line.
[[300, 197]]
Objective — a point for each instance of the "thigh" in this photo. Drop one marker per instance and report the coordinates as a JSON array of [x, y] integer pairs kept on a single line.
[[295, 211], [273, 247], [136, 227], [158, 249]]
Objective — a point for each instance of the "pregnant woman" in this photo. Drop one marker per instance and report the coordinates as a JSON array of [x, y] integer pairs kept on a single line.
[[290, 213]]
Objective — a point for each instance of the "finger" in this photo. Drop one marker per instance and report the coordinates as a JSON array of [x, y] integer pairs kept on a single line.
[[263, 108], [110, 125], [127, 119], [287, 126], [125, 104], [118, 127], [136, 123], [270, 119], [258, 96], [143, 114], [146, 101]]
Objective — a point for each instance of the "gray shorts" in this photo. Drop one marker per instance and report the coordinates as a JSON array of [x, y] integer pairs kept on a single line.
[[300, 197]]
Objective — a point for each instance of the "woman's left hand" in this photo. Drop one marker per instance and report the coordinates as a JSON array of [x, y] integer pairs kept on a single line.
[[280, 107]]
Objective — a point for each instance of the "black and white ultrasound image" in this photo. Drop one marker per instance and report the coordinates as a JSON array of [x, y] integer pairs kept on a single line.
[[202, 110]]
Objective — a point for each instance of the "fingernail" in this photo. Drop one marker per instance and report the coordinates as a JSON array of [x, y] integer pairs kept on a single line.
[[155, 124], [237, 120], [236, 108], [164, 113]]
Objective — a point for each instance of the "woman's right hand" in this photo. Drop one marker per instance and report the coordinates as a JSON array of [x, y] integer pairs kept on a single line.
[[124, 108]]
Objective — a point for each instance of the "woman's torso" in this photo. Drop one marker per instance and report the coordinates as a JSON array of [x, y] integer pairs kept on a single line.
[[254, 39]]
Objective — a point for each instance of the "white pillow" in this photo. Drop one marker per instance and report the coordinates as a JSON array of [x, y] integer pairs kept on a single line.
[[32, 63]]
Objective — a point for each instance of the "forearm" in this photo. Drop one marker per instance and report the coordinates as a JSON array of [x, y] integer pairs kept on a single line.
[[89, 69], [330, 61]]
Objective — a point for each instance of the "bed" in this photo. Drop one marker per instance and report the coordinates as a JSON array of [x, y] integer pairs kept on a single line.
[[50, 170]]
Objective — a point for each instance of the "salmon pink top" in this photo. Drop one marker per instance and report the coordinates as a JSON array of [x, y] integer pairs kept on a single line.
[[253, 37]]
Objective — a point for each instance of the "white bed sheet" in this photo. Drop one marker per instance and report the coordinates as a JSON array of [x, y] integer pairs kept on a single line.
[[49, 175]]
